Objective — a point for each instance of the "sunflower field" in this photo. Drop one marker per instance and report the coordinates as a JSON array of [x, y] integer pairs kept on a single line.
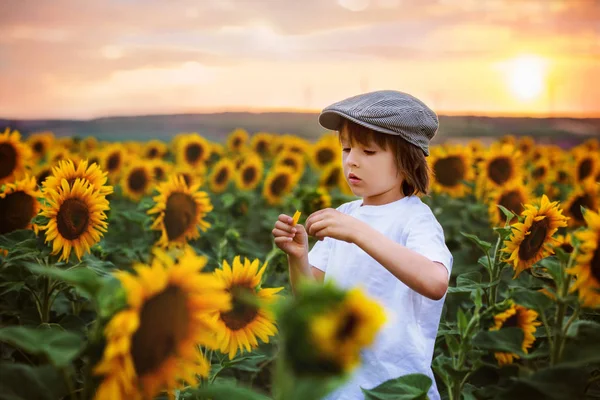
[[133, 270]]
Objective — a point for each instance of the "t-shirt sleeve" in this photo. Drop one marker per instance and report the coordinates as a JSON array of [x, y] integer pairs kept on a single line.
[[318, 256], [426, 237]]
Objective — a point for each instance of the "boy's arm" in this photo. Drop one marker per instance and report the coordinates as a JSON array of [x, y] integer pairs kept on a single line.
[[418, 272], [301, 269]]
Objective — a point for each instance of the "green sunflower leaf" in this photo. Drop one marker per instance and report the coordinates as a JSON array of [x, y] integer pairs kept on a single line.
[[482, 244], [407, 387], [506, 340], [20, 381]]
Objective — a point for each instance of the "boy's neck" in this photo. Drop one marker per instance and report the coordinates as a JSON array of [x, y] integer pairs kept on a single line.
[[380, 201]]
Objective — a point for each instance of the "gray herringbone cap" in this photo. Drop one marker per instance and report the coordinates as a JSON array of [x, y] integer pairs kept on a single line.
[[386, 111]]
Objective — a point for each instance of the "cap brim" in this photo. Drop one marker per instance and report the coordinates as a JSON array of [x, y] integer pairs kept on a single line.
[[330, 120]]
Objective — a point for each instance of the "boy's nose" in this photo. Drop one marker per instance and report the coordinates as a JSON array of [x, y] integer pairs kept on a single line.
[[351, 159]]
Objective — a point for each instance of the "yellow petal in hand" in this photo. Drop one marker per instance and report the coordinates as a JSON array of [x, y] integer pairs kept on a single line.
[[296, 217]]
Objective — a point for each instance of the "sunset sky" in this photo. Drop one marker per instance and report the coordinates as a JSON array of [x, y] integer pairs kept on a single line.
[[92, 58]]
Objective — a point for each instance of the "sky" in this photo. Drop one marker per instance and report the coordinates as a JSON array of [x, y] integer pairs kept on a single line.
[[95, 58]]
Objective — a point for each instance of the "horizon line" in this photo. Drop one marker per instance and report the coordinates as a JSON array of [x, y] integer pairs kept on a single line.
[[291, 110]]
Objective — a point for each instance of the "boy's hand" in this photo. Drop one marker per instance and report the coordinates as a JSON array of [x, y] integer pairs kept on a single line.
[[334, 224], [293, 240]]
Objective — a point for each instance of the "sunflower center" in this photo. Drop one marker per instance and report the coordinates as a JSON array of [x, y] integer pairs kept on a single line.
[[567, 248], [261, 147], [242, 312], [73, 218], [279, 184], [595, 263], [539, 172], [290, 162], [180, 214], [500, 170], [534, 240], [585, 169], [137, 180], [164, 323], [16, 211], [562, 176], [8, 159], [193, 152], [512, 321], [449, 171], [236, 142], [114, 161], [333, 178], [41, 177], [324, 156], [187, 178], [512, 201], [249, 174], [584, 200], [159, 173], [222, 176], [347, 327], [38, 147], [153, 152]]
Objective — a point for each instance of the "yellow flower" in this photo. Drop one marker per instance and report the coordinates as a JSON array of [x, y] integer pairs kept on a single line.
[[278, 183], [586, 164], [340, 333], [40, 143], [161, 169], [451, 167], [77, 218], [250, 172], [587, 268], [326, 151], [532, 239], [513, 197], [249, 317], [296, 217], [18, 205], [221, 174], [260, 143], [152, 344], [66, 169], [181, 210], [520, 317], [291, 159], [584, 195], [112, 160], [155, 149], [237, 140], [501, 165], [137, 180], [192, 150], [14, 156]]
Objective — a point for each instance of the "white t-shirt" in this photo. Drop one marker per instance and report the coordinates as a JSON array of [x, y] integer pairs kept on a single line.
[[405, 343]]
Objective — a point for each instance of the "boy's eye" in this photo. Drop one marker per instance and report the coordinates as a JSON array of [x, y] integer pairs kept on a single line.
[[346, 149], [369, 152]]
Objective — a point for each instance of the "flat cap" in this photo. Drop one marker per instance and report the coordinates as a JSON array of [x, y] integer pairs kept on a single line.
[[386, 111]]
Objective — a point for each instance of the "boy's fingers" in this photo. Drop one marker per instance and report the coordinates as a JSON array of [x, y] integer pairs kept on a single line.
[[285, 218], [284, 227], [282, 239], [278, 233]]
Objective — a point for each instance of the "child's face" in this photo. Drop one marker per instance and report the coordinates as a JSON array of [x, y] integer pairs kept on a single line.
[[378, 181]]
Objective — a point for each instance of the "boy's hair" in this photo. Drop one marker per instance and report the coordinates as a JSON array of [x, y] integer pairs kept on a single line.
[[410, 159]]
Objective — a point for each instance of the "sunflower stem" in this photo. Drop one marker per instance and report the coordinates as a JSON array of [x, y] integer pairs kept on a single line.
[[559, 329], [495, 274], [69, 382]]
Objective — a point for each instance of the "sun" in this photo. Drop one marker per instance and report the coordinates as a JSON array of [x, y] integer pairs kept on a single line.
[[527, 76]]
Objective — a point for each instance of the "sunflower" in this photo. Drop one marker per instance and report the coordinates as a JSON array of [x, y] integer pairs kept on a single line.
[[189, 175], [278, 183], [89, 144], [221, 174], [516, 317], [249, 317], [18, 205], [192, 150], [250, 173], [584, 195], [160, 170], [41, 172], [40, 143], [260, 143], [155, 149], [585, 165], [292, 160], [500, 166], [296, 145], [525, 145], [565, 242], [532, 239], [14, 156], [151, 345], [181, 210], [113, 159], [326, 151], [513, 197], [541, 172], [77, 218], [237, 140], [137, 180], [66, 169], [451, 166], [587, 266], [340, 333], [317, 199]]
